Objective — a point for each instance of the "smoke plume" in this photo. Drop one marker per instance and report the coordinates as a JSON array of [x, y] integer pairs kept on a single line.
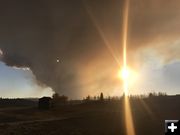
[[64, 42]]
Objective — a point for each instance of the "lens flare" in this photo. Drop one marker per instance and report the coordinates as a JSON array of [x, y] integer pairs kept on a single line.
[[125, 75], [1, 52], [128, 117]]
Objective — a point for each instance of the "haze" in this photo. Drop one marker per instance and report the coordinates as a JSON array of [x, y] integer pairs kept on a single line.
[[75, 47]]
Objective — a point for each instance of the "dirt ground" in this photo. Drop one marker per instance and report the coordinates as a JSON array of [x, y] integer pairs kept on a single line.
[[90, 119]]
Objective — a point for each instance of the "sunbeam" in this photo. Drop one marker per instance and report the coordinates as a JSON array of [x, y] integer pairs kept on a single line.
[[101, 33], [128, 115], [125, 31]]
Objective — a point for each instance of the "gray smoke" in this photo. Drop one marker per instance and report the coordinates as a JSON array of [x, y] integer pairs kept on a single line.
[[37, 33]]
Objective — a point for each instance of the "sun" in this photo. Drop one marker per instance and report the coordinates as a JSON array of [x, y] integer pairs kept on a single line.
[[125, 74], [128, 76]]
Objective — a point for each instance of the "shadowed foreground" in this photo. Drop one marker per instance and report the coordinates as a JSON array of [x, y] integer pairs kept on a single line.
[[96, 118]]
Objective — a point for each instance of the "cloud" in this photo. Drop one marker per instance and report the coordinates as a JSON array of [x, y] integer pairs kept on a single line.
[[35, 34], [155, 24]]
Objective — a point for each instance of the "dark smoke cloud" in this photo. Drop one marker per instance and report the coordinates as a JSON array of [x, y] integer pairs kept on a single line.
[[36, 33]]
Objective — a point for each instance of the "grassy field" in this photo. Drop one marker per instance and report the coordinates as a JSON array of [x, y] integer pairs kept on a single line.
[[105, 118]]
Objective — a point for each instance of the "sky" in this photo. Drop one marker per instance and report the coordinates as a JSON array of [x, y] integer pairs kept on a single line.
[[75, 47], [15, 83]]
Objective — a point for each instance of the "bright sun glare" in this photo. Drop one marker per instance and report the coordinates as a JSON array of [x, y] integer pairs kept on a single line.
[[128, 76], [124, 74]]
